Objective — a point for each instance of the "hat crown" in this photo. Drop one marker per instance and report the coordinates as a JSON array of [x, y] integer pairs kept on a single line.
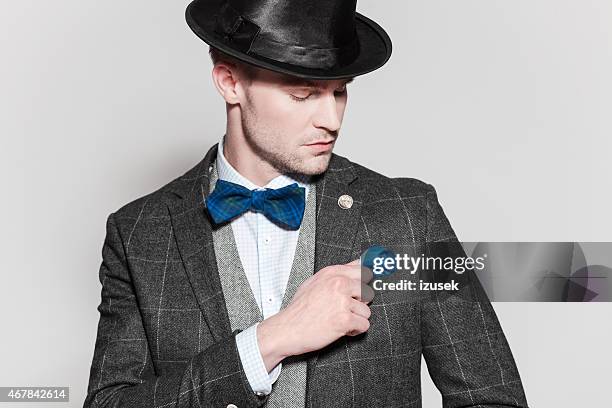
[[300, 32], [308, 23]]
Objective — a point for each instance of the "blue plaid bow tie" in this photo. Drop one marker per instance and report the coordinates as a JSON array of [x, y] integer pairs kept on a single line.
[[283, 206]]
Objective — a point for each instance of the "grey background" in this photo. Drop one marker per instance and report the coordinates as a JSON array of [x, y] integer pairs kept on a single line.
[[504, 106]]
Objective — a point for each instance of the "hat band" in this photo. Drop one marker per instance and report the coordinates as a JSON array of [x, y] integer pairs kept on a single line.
[[309, 57], [243, 34]]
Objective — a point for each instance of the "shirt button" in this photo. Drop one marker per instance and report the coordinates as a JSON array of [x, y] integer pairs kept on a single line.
[[270, 300], [267, 240]]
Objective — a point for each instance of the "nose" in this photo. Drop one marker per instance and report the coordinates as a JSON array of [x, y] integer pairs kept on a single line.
[[327, 115]]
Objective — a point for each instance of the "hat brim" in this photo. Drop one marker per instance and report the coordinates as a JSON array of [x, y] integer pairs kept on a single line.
[[374, 43]]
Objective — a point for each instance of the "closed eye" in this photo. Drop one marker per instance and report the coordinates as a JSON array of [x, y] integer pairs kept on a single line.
[[297, 98]]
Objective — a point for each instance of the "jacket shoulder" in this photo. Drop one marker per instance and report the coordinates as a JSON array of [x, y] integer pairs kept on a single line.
[[383, 195], [382, 184], [152, 204]]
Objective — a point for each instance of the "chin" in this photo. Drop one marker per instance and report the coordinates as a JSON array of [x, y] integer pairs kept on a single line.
[[317, 165]]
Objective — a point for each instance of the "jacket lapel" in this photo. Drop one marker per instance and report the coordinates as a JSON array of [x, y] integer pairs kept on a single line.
[[193, 232], [336, 230], [336, 226]]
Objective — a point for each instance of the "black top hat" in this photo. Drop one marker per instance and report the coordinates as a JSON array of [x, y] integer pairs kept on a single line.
[[316, 39]]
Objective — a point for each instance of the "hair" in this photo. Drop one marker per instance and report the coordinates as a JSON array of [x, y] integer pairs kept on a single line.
[[218, 56]]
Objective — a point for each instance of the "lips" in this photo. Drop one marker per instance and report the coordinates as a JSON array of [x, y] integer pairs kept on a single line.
[[321, 146], [321, 143]]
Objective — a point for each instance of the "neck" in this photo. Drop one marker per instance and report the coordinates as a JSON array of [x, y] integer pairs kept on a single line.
[[247, 162]]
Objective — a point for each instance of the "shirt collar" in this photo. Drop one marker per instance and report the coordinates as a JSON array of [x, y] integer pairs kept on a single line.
[[225, 171]]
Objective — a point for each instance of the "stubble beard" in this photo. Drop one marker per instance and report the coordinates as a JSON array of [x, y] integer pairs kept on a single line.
[[266, 143]]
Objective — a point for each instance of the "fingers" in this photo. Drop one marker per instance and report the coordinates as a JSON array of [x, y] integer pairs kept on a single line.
[[353, 289], [358, 321], [353, 270], [356, 281], [358, 325], [360, 309], [366, 273], [360, 291], [367, 293], [348, 271]]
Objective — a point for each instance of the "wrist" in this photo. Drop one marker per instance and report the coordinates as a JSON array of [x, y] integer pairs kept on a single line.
[[271, 342]]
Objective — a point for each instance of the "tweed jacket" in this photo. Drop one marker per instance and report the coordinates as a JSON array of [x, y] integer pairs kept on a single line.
[[164, 336]]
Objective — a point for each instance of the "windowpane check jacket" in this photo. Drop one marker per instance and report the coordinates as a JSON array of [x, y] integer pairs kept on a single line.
[[164, 337]]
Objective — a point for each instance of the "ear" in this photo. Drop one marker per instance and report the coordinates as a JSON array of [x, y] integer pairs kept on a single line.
[[225, 79]]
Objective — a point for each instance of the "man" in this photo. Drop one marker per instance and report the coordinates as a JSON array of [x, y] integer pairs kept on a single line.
[[238, 284]]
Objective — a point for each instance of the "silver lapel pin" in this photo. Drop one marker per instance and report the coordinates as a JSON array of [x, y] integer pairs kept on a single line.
[[345, 201]]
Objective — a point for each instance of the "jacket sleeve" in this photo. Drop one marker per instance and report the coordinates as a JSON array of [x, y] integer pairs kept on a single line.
[[122, 373], [467, 355]]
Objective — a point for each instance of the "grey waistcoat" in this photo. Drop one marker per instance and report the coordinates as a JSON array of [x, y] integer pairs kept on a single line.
[[289, 390]]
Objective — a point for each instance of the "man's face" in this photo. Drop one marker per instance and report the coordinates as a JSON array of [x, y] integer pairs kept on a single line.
[[292, 123]]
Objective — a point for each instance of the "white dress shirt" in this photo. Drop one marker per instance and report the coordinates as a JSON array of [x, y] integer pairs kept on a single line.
[[266, 252]]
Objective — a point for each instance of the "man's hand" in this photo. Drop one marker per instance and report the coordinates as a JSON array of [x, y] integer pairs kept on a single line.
[[328, 305]]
